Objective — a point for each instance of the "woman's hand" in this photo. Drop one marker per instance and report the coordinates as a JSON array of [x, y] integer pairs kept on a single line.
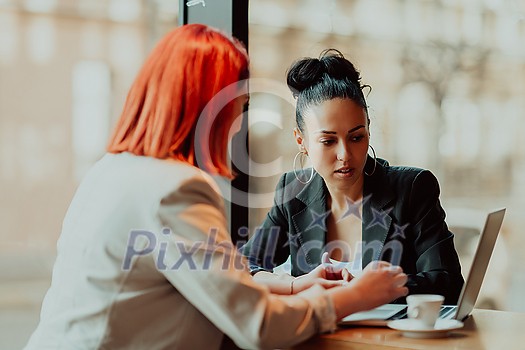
[[335, 271], [326, 274], [379, 284]]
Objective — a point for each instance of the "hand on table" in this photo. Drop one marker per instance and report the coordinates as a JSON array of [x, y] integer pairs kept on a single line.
[[327, 275], [380, 283]]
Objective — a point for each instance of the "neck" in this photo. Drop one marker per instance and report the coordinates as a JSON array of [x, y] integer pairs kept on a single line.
[[338, 196]]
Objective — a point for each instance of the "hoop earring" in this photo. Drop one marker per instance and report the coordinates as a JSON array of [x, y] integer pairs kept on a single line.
[[302, 168], [375, 162]]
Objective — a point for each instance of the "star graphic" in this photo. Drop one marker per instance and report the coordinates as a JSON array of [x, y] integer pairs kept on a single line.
[[352, 208], [318, 220], [379, 218], [293, 240], [399, 230]]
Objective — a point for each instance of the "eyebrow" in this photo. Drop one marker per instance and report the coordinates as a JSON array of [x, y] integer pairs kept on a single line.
[[333, 132]]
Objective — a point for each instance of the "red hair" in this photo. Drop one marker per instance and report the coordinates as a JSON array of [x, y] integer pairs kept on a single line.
[[186, 69]]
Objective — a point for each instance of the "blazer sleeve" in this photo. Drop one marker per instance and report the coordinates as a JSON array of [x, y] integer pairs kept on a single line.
[[214, 279], [437, 262], [267, 247]]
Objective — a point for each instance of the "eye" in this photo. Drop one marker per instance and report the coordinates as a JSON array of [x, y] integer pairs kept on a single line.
[[357, 138], [326, 142]]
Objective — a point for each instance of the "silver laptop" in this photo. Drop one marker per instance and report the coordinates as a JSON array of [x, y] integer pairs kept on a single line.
[[469, 294]]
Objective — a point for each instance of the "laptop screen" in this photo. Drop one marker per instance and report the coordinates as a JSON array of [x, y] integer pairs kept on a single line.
[[469, 293]]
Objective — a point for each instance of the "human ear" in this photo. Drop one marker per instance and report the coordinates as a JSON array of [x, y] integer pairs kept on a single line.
[[299, 139]]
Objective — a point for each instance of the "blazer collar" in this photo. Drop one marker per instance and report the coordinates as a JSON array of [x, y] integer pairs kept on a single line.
[[310, 221], [313, 191], [377, 195], [377, 191]]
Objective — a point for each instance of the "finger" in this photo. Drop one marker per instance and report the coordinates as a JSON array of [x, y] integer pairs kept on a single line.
[[394, 270], [400, 280], [346, 275], [383, 265], [377, 264], [403, 291], [334, 276], [331, 284], [333, 272], [338, 271]]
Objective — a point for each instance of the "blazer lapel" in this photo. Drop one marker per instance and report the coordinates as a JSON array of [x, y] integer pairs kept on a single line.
[[310, 223], [376, 213]]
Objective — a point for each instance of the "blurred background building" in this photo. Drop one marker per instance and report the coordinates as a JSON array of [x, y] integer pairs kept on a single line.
[[447, 77]]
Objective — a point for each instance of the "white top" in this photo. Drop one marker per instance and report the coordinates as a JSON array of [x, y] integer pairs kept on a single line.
[[164, 299]]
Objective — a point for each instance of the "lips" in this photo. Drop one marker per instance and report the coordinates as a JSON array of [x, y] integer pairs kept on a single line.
[[345, 172]]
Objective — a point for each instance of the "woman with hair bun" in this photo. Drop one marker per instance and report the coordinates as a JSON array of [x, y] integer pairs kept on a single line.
[[145, 260], [353, 206]]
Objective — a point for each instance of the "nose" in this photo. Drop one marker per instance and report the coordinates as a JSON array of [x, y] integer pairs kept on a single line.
[[343, 152]]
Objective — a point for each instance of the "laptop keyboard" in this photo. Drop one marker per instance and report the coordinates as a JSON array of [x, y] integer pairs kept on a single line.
[[401, 314], [444, 312]]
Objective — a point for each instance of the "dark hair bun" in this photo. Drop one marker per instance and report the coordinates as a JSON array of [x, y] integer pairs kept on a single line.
[[303, 74], [331, 64]]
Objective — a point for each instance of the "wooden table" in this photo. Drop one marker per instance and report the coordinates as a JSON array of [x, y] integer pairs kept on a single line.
[[484, 329]]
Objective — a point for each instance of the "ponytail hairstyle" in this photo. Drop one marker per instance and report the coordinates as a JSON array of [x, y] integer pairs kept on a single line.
[[315, 80], [186, 69]]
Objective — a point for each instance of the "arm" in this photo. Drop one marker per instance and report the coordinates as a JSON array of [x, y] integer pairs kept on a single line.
[[277, 284], [326, 275], [226, 293], [437, 262], [379, 284], [266, 248], [217, 283]]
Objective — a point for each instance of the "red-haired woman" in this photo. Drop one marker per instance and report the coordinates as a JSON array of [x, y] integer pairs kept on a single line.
[[144, 259]]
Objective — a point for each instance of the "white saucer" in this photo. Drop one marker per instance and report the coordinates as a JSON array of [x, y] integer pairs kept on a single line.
[[412, 328]]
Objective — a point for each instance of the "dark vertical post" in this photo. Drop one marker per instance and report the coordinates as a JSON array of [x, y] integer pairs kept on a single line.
[[230, 16]]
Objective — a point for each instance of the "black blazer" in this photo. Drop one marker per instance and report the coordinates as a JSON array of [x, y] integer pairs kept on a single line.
[[403, 223]]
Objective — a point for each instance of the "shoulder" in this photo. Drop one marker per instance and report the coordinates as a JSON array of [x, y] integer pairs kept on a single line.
[[159, 179], [289, 181], [190, 185], [406, 175], [412, 184], [290, 188]]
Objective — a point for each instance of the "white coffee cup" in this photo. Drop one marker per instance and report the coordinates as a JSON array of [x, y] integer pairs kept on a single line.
[[424, 308]]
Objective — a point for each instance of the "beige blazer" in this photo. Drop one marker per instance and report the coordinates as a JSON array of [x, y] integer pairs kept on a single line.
[[144, 262]]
